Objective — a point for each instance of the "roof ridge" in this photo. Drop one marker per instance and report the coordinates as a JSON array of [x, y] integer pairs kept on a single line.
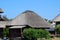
[[30, 11]]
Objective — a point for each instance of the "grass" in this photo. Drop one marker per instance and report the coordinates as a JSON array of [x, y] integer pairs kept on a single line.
[[55, 38]]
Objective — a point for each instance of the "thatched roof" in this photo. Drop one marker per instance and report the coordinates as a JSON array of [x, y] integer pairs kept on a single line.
[[30, 18], [4, 23], [1, 11], [57, 18]]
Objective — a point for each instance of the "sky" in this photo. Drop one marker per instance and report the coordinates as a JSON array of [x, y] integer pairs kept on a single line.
[[45, 8]]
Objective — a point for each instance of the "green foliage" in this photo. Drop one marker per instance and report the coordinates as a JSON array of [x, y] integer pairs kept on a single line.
[[43, 34], [6, 32], [57, 29], [29, 33], [35, 33]]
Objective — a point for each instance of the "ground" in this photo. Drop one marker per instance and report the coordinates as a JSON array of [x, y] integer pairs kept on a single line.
[[55, 38]]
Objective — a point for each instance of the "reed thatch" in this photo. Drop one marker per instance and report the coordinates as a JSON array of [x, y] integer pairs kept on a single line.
[[1, 11], [30, 18], [57, 18]]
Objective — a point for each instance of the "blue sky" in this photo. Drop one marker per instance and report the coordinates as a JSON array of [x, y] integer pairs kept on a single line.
[[45, 8]]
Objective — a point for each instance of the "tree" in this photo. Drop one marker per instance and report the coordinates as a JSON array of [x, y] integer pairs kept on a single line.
[[5, 18], [30, 34], [43, 34], [57, 28], [5, 33], [50, 21]]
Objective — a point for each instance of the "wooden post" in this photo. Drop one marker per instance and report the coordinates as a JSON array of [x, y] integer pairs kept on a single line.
[[55, 33], [21, 33]]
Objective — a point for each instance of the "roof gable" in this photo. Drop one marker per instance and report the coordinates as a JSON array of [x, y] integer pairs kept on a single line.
[[30, 18], [57, 18]]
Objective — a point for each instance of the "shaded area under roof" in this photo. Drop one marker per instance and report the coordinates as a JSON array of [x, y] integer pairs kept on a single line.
[[51, 29]]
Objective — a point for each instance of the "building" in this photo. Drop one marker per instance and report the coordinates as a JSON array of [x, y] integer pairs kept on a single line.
[[27, 19], [56, 20]]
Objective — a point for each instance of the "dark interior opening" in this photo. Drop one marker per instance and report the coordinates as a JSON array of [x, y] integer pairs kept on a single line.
[[15, 32], [1, 32], [57, 23]]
